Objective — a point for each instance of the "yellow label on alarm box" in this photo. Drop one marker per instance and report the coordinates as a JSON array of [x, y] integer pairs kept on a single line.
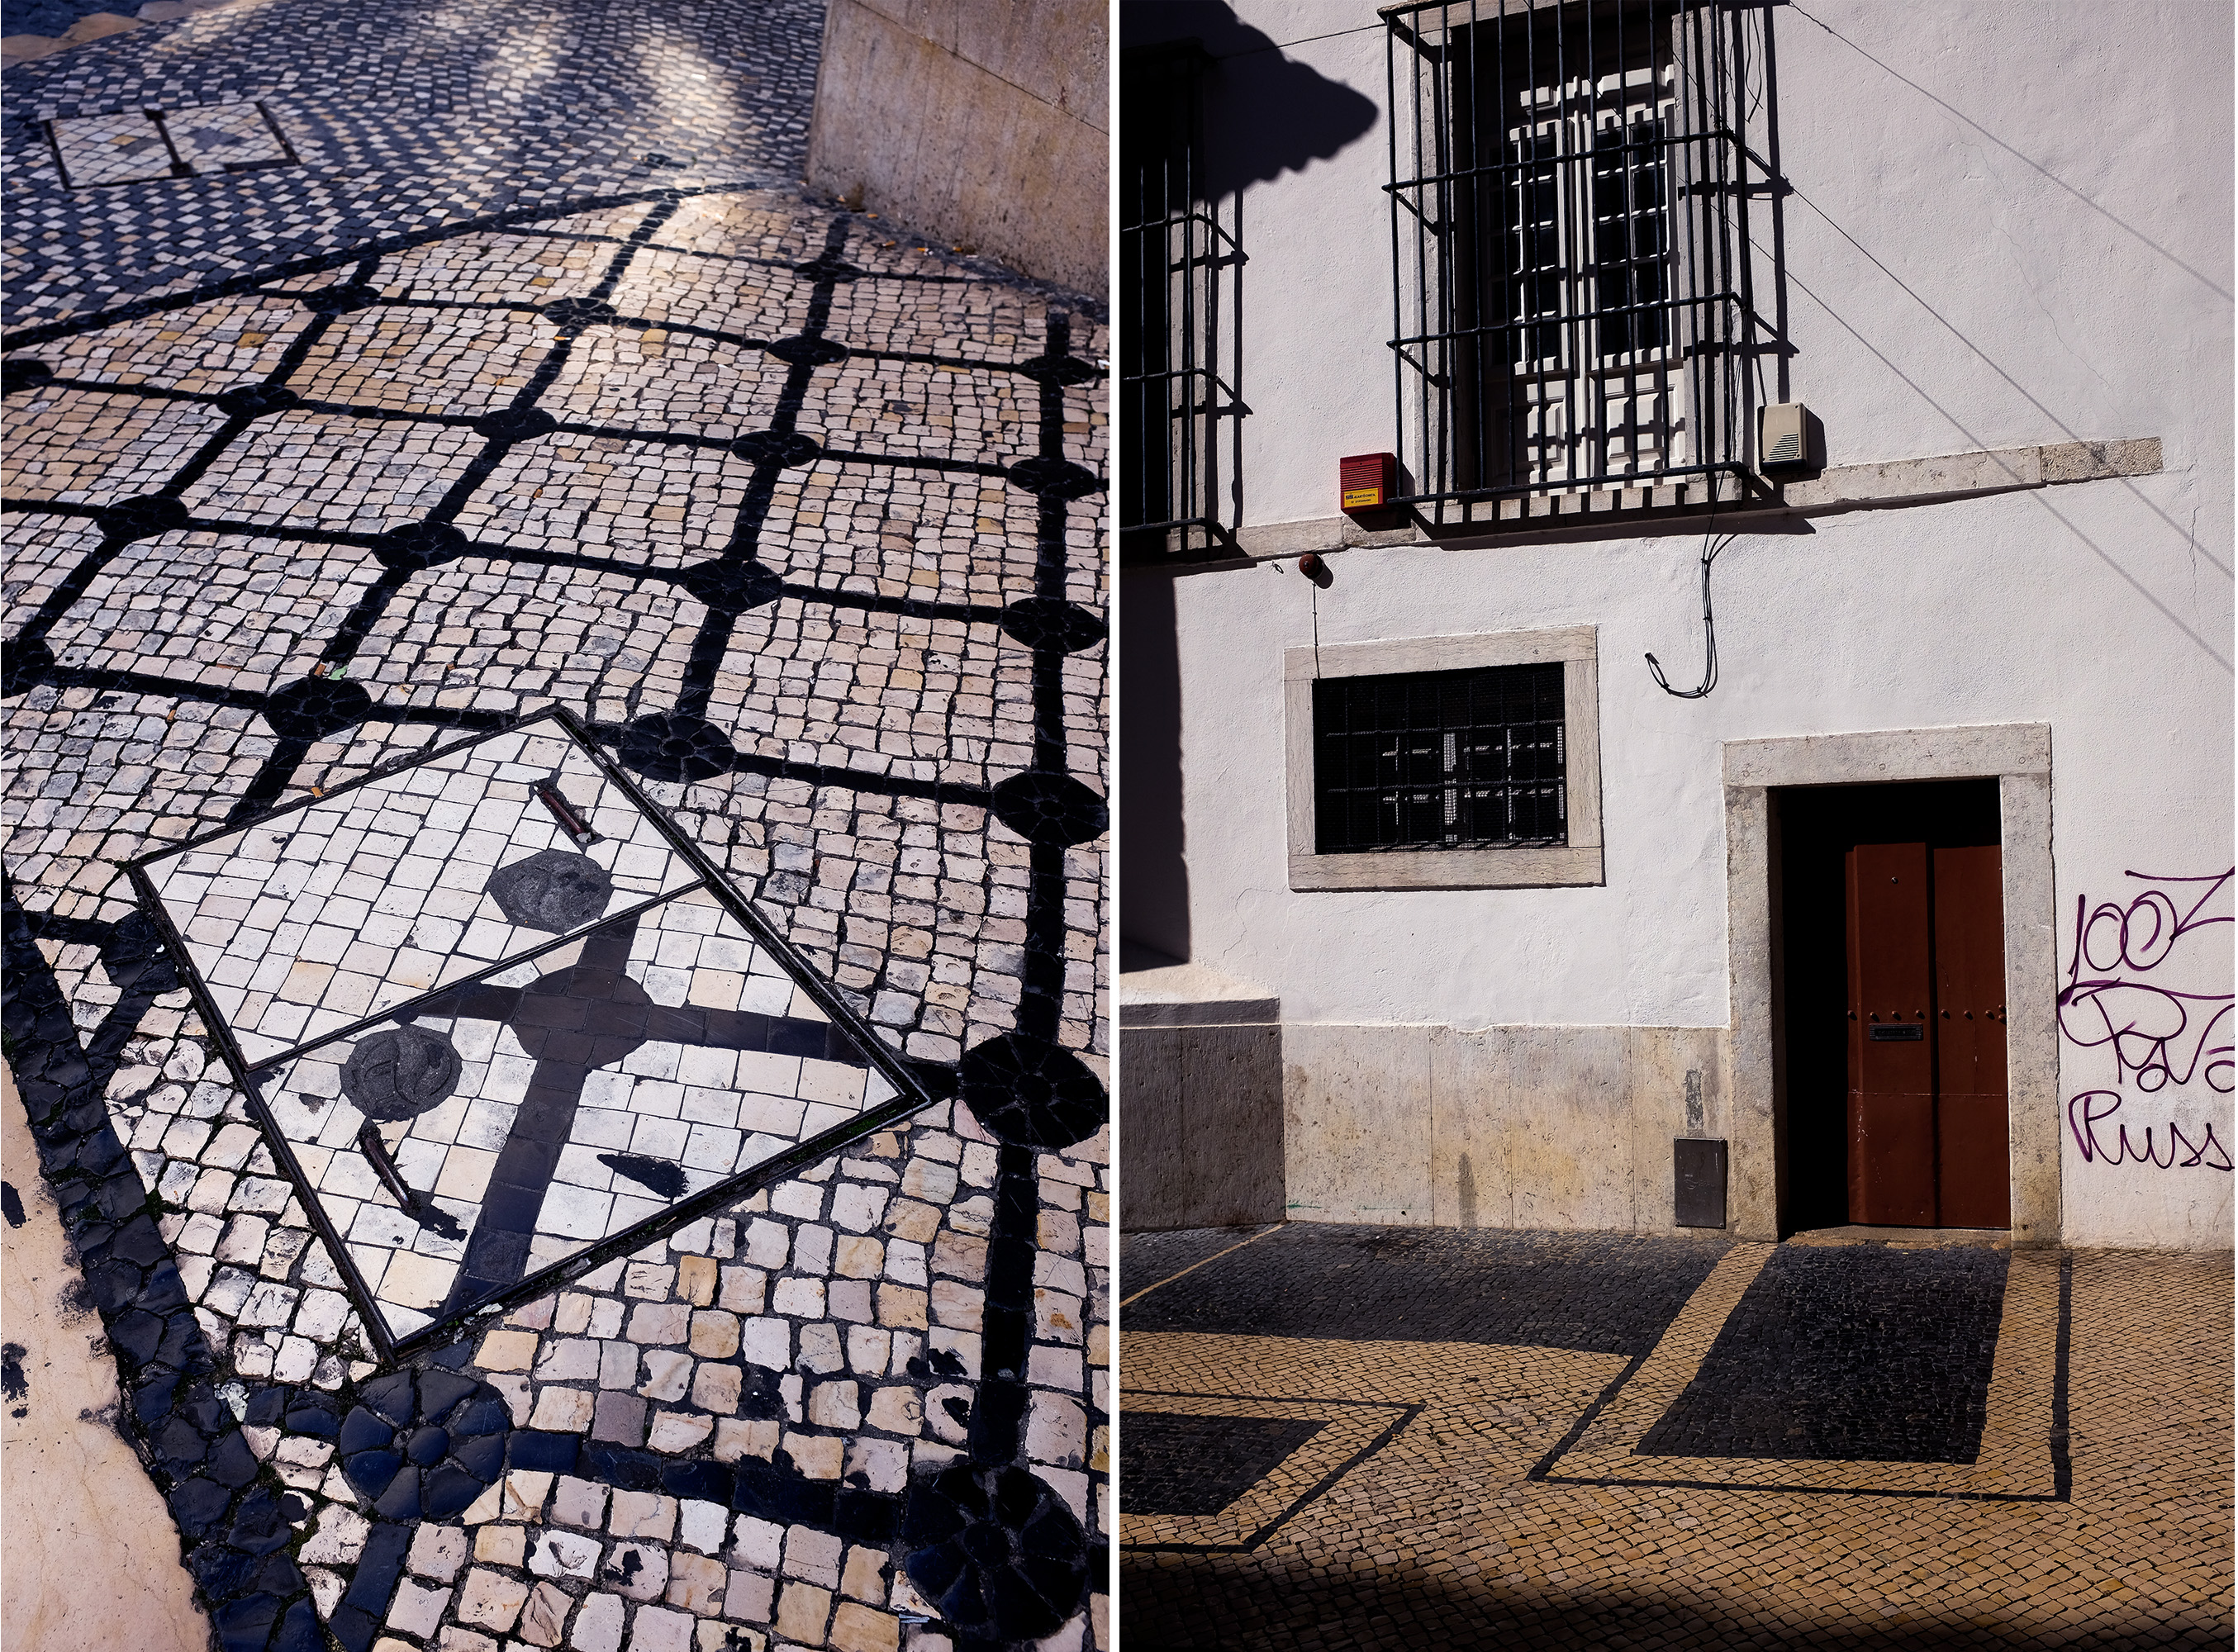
[[1357, 499]]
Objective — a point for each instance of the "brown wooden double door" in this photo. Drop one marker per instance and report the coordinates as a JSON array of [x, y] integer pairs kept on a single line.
[[1928, 1102]]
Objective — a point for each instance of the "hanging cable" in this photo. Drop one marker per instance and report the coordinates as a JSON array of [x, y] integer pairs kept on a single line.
[[1712, 545], [1317, 575]]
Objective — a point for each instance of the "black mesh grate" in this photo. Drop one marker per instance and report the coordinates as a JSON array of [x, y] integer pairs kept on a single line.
[[1471, 759]]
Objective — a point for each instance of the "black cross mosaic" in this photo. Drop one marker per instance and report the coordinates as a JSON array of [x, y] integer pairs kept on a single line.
[[499, 1015]]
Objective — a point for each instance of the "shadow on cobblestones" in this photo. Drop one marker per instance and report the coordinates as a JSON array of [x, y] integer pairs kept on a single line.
[[1432, 1286], [1339, 1438], [1253, 1606]]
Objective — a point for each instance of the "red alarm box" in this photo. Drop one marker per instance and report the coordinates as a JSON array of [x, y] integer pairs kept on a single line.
[[1368, 480]]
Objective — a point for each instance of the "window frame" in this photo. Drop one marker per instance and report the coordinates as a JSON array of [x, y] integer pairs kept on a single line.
[[1574, 864]]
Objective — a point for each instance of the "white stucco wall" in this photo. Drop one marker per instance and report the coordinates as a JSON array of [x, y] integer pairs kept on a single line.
[[2012, 226], [2024, 244]]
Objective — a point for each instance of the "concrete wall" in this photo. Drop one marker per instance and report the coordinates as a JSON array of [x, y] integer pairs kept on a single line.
[[984, 122], [1201, 1111], [2012, 227]]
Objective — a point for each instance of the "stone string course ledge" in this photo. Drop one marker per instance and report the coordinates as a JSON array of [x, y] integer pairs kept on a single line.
[[1672, 507]]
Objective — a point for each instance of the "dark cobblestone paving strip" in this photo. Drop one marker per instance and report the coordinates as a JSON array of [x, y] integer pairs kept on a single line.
[[1197, 1466], [1598, 1294], [1856, 1354], [1148, 1260]]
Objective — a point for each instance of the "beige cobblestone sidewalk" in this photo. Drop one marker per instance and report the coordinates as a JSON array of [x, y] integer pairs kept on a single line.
[[1440, 1536]]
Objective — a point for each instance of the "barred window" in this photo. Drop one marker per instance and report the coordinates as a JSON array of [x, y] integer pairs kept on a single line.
[[1569, 300], [1439, 760], [1444, 763], [1177, 275]]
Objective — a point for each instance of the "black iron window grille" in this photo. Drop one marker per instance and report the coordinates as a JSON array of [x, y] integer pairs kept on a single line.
[[1179, 297], [1571, 295], [1467, 759]]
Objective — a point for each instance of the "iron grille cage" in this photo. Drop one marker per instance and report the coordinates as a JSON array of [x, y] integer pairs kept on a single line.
[[1569, 220], [1469, 759], [1179, 295]]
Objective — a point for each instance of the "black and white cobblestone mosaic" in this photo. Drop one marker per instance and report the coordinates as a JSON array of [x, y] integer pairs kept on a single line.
[[1479, 1286], [531, 385]]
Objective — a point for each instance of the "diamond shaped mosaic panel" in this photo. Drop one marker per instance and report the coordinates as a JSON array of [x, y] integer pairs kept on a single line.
[[498, 1014], [135, 145], [310, 922], [124, 147]]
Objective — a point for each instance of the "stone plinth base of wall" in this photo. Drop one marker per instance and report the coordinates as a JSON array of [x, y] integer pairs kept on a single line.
[[1514, 1127], [984, 122], [1200, 1100]]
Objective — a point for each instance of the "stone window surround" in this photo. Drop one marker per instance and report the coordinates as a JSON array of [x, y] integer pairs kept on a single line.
[[2018, 756], [1576, 863]]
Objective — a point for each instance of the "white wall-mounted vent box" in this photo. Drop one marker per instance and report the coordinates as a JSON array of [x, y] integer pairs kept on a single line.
[[1782, 442]]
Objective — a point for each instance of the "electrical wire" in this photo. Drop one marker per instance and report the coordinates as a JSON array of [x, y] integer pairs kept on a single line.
[[1711, 546], [1754, 24]]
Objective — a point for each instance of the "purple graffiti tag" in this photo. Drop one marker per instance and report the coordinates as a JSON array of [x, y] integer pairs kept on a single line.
[[2161, 1034], [2094, 1107]]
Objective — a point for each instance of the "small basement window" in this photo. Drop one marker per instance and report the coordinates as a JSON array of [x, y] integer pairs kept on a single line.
[[1445, 762], [1438, 760]]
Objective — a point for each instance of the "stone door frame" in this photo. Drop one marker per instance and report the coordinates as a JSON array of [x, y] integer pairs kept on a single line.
[[2018, 756]]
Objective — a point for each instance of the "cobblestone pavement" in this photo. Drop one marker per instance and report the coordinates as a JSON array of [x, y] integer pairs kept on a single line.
[[1354, 1437], [693, 1233]]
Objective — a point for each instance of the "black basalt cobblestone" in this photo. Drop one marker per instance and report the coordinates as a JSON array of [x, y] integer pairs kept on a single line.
[[1374, 1284], [1178, 1465], [229, 1510], [1851, 1354], [407, 119]]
